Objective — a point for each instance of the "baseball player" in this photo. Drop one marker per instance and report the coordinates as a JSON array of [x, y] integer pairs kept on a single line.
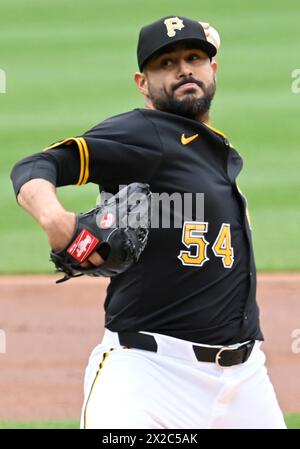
[[182, 338]]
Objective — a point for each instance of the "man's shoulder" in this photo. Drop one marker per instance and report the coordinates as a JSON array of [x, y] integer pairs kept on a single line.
[[138, 119], [130, 128], [126, 120]]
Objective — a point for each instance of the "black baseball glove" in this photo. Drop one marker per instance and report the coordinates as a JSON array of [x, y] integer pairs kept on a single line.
[[117, 230]]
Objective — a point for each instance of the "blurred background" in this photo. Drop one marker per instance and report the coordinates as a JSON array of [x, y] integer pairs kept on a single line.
[[70, 64]]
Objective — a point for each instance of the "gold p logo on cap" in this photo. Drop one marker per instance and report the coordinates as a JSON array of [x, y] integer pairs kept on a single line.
[[172, 24]]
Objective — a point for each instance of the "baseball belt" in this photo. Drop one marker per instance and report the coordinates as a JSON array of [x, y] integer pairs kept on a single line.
[[224, 357]]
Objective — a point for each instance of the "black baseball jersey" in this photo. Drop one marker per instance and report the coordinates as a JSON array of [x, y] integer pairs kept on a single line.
[[197, 281]]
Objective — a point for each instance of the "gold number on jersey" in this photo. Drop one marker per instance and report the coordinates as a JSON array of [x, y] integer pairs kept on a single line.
[[194, 240], [222, 246]]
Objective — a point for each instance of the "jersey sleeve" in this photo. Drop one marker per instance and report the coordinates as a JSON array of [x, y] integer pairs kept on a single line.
[[60, 166], [120, 150]]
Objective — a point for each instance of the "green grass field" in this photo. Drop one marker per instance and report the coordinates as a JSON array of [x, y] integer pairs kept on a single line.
[[292, 422], [69, 65]]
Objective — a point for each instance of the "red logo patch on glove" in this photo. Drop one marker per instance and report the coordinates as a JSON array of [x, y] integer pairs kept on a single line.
[[107, 220], [83, 245]]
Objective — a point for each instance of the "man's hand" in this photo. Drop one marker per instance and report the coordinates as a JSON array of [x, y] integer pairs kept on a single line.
[[211, 34]]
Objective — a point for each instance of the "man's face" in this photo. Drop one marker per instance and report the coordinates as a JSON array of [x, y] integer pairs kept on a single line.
[[180, 81]]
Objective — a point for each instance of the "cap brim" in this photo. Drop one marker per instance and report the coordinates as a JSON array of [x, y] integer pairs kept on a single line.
[[206, 46]]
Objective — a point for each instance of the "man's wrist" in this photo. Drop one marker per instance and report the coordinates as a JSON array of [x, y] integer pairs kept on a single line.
[[52, 217], [59, 226], [57, 218]]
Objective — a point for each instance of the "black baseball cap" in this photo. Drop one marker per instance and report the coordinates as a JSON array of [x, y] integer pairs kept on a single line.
[[169, 30]]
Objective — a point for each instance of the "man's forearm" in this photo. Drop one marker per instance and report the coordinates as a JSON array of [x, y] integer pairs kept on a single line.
[[38, 198]]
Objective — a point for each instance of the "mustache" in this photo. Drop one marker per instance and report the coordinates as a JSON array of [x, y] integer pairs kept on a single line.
[[189, 80]]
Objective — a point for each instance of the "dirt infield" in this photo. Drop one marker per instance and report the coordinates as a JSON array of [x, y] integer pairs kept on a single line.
[[50, 330]]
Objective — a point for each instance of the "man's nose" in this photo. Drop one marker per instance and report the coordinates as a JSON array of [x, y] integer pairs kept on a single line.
[[185, 69]]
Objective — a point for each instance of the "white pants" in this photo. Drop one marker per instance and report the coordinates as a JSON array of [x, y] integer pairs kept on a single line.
[[137, 389]]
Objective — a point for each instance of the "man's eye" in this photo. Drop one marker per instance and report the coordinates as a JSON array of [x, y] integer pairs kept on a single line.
[[167, 62], [193, 57]]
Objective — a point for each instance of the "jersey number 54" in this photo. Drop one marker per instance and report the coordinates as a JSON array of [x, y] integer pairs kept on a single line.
[[193, 238]]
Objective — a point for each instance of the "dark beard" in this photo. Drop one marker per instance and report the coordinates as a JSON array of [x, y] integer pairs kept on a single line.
[[190, 107]]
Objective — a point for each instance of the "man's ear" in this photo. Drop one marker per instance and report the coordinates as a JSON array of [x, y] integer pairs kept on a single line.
[[142, 83], [214, 66]]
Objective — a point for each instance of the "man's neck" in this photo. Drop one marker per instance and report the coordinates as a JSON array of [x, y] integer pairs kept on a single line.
[[204, 118]]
